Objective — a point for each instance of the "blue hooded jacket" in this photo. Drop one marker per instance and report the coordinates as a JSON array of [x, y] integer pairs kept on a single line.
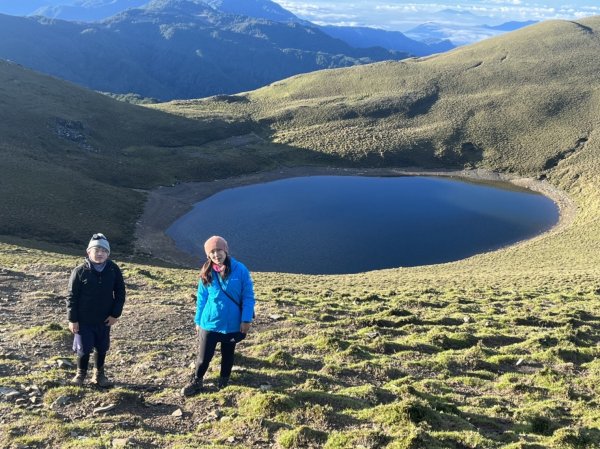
[[215, 311]]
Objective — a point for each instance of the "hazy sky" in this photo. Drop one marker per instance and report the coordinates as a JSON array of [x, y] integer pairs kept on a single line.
[[402, 15]]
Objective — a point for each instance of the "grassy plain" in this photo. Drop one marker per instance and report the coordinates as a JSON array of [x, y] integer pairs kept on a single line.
[[496, 351]]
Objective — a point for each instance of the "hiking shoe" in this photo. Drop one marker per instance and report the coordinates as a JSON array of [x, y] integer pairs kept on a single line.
[[79, 378], [194, 387], [222, 382], [100, 379]]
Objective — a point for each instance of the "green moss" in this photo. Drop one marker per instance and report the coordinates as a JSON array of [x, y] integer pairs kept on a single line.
[[301, 437], [266, 404], [52, 331], [576, 438], [368, 439]]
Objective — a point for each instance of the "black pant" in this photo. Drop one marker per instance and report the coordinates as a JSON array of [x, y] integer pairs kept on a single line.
[[207, 343]]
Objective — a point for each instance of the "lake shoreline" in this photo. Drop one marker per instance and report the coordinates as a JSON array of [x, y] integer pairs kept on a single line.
[[165, 205]]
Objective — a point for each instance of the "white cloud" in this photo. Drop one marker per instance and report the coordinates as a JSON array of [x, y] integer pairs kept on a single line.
[[402, 16]]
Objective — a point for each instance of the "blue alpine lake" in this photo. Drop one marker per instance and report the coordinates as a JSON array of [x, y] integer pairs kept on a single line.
[[351, 224]]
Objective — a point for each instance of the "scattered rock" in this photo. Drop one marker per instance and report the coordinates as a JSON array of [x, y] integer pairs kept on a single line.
[[104, 409], [120, 442], [519, 362], [276, 317], [9, 393], [231, 439], [64, 363], [177, 413], [266, 387], [60, 401], [215, 414], [467, 319]]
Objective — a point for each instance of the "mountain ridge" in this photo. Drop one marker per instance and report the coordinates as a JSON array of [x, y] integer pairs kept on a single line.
[[194, 51]]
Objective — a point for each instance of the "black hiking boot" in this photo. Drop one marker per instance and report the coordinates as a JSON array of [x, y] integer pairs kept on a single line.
[[222, 382], [194, 387]]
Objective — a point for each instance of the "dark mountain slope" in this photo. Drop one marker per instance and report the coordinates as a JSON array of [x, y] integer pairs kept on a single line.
[[362, 37], [175, 49], [71, 157]]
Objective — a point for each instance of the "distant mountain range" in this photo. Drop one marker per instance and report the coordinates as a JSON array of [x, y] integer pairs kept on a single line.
[[176, 49], [168, 49], [364, 37], [459, 33]]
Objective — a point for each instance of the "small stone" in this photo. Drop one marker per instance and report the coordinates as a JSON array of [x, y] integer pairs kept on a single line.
[[20, 401], [231, 439], [60, 402], [265, 387], [467, 319], [104, 409], [34, 399], [519, 362], [64, 363], [120, 442], [177, 413], [192, 365], [9, 393], [276, 317], [215, 414]]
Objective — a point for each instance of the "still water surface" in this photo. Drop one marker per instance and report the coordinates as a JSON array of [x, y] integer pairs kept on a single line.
[[350, 224]]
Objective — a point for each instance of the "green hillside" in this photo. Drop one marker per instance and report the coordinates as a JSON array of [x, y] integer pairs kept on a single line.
[[525, 103], [496, 351], [74, 160]]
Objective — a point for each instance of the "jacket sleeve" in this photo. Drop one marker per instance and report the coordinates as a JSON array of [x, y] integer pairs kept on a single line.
[[73, 296], [247, 298], [200, 301], [119, 293]]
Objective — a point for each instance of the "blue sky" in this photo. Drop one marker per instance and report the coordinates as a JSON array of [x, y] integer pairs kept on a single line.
[[403, 15]]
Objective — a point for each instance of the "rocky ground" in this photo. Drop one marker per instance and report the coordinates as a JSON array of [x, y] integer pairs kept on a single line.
[[408, 362], [153, 350]]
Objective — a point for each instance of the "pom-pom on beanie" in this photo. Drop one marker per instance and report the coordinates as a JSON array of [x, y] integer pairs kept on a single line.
[[100, 240]]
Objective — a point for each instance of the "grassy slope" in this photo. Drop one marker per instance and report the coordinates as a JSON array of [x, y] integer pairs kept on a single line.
[[525, 103], [426, 357], [68, 152]]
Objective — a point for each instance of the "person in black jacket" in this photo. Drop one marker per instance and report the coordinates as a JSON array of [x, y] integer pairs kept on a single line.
[[95, 301]]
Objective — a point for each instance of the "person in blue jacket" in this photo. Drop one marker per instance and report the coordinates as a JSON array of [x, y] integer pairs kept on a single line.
[[224, 311]]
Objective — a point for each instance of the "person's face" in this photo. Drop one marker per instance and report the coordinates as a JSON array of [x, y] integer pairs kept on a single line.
[[217, 256], [97, 254]]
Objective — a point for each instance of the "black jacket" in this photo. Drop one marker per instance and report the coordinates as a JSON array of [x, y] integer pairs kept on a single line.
[[94, 296]]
